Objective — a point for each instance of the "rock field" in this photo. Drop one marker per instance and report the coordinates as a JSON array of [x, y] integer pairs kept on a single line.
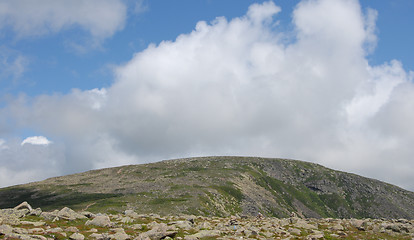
[[23, 222]]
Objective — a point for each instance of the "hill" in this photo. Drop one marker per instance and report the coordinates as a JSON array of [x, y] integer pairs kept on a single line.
[[219, 186]]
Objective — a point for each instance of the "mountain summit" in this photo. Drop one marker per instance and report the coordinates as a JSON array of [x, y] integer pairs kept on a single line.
[[220, 186]]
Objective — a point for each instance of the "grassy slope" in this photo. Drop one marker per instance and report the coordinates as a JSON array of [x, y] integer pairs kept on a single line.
[[219, 186]]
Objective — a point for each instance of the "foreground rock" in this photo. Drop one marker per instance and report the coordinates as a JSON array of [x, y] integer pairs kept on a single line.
[[18, 223]]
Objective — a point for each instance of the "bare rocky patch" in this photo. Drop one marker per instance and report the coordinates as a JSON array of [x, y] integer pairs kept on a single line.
[[27, 223]]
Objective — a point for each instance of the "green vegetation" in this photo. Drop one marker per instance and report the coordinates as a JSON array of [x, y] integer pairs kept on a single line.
[[231, 191], [219, 186]]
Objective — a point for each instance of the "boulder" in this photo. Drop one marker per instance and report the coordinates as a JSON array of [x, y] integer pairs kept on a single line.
[[131, 213], [185, 225], [36, 224], [23, 205], [303, 224], [49, 215], [76, 236], [68, 214], [12, 216], [100, 221], [119, 236], [35, 212], [336, 227], [72, 229], [5, 229], [102, 236], [203, 234], [158, 231]]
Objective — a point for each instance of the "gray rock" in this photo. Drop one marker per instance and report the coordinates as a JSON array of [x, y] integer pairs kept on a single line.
[[119, 236], [39, 237], [76, 236], [49, 215], [102, 236], [54, 230], [36, 224], [203, 234], [131, 213], [303, 224], [5, 229], [23, 205], [137, 226], [35, 212], [357, 223], [294, 231], [100, 221], [126, 220], [185, 225], [336, 227], [315, 236], [69, 214], [158, 231], [36, 231], [72, 229]]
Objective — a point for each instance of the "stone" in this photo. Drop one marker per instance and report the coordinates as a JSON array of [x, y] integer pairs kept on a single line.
[[126, 220], [315, 236], [68, 214], [336, 227], [203, 234], [36, 231], [358, 224], [38, 237], [72, 229], [23, 205], [36, 224], [294, 231], [54, 230], [100, 221], [137, 226], [158, 231], [5, 229], [303, 224], [119, 236], [185, 225], [35, 212], [76, 236], [131, 213], [20, 230], [102, 236], [49, 215]]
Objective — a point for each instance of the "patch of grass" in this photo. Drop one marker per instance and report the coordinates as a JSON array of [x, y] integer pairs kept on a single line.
[[196, 169], [230, 190], [167, 200]]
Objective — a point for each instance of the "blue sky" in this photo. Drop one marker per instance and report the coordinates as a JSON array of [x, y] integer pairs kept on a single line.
[[53, 67], [101, 83]]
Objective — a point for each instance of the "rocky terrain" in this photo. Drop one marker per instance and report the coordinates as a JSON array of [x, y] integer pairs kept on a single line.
[[219, 187], [23, 222]]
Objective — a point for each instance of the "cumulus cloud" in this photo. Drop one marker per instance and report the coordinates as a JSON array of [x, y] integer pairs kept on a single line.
[[240, 87], [101, 18], [36, 140]]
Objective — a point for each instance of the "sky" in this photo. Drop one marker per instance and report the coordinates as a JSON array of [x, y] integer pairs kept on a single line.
[[102, 83]]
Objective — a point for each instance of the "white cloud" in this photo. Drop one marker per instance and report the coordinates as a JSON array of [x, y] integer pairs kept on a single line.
[[101, 18], [22, 163], [36, 140], [237, 87]]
